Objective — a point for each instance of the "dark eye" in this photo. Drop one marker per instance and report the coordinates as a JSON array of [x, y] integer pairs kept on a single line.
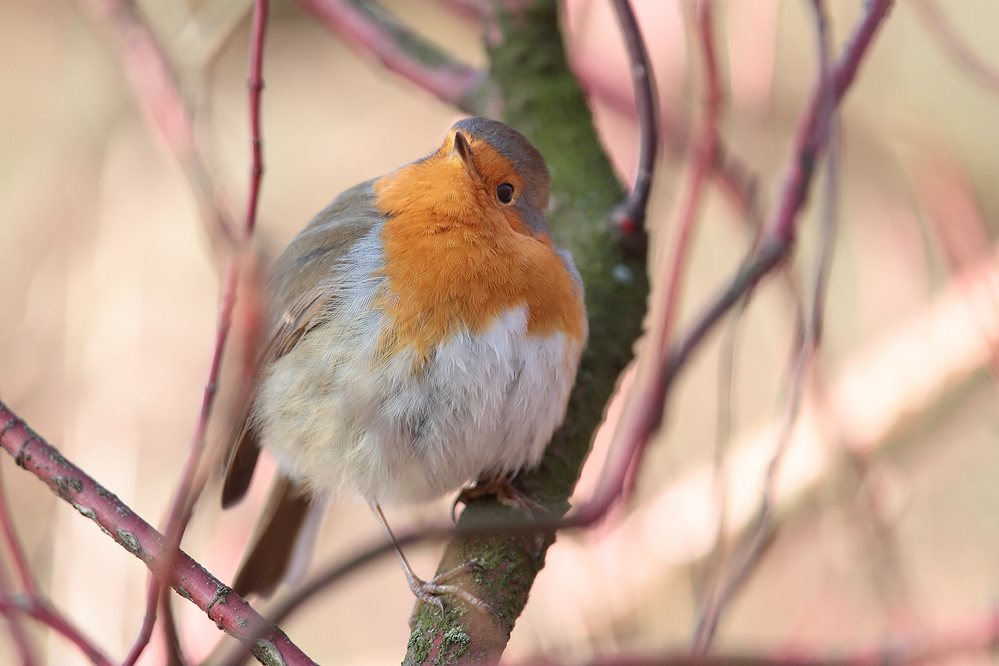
[[504, 193]]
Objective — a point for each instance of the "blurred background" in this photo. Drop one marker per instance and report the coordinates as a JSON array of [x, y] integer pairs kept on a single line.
[[887, 499]]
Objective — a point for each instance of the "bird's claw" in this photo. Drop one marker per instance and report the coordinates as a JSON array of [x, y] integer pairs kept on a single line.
[[504, 491], [431, 591]]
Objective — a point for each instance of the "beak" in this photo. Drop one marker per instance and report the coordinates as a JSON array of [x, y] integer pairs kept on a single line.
[[464, 153]]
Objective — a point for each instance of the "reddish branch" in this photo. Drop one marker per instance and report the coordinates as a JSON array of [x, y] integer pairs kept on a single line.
[[188, 491], [157, 93], [30, 594], [255, 84], [371, 31], [30, 601], [751, 546], [975, 635], [14, 548], [778, 239], [954, 44], [704, 155], [630, 215], [222, 606], [37, 608]]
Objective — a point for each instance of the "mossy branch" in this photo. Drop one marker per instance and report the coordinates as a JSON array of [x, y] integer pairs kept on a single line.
[[541, 98]]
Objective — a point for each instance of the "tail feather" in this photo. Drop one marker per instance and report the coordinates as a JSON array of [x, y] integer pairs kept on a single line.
[[279, 529]]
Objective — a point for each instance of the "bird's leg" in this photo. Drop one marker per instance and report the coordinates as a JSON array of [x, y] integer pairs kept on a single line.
[[504, 491], [430, 591]]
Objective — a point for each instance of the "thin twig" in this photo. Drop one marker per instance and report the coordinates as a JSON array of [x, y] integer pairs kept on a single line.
[[39, 610], [704, 152], [719, 479], [168, 625], [13, 543], [754, 541], [154, 589], [954, 45], [702, 157], [255, 84], [371, 30], [647, 413], [188, 491], [31, 601], [975, 635], [741, 186], [630, 215], [222, 606], [15, 626], [885, 564], [157, 93]]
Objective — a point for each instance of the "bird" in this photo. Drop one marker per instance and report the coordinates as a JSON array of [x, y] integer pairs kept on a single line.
[[422, 332]]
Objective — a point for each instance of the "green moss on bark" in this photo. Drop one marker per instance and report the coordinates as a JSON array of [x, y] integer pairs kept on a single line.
[[541, 98]]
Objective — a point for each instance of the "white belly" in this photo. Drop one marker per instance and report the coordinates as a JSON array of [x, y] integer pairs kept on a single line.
[[341, 418]]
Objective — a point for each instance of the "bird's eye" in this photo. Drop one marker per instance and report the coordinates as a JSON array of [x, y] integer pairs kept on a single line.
[[504, 193]]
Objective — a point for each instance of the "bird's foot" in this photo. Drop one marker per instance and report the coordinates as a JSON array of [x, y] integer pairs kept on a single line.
[[431, 591], [500, 487]]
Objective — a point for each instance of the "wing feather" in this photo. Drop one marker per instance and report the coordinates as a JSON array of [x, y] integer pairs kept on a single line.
[[299, 288]]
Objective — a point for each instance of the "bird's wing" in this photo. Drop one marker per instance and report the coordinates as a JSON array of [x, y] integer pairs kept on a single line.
[[301, 286]]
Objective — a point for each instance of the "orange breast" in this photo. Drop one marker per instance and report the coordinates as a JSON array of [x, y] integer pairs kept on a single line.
[[456, 260]]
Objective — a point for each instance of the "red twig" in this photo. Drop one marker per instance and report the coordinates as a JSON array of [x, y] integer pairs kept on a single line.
[[953, 44], [14, 625], [751, 546], [30, 602], [157, 93], [14, 547], [740, 185], [371, 31], [153, 593], [647, 414], [255, 84], [187, 491], [812, 131], [630, 215], [703, 156], [39, 610], [148, 72], [976, 635], [222, 606], [704, 153]]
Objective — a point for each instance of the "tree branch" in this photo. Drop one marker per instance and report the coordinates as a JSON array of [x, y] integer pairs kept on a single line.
[[542, 99], [370, 30], [974, 635], [157, 93], [222, 606], [936, 22], [778, 239], [629, 217], [188, 490], [754, 541]]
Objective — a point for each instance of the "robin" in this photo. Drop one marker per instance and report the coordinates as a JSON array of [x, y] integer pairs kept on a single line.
[[423, 331]]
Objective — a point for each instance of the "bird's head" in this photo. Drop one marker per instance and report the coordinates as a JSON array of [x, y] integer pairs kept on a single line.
[[484, 171]]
